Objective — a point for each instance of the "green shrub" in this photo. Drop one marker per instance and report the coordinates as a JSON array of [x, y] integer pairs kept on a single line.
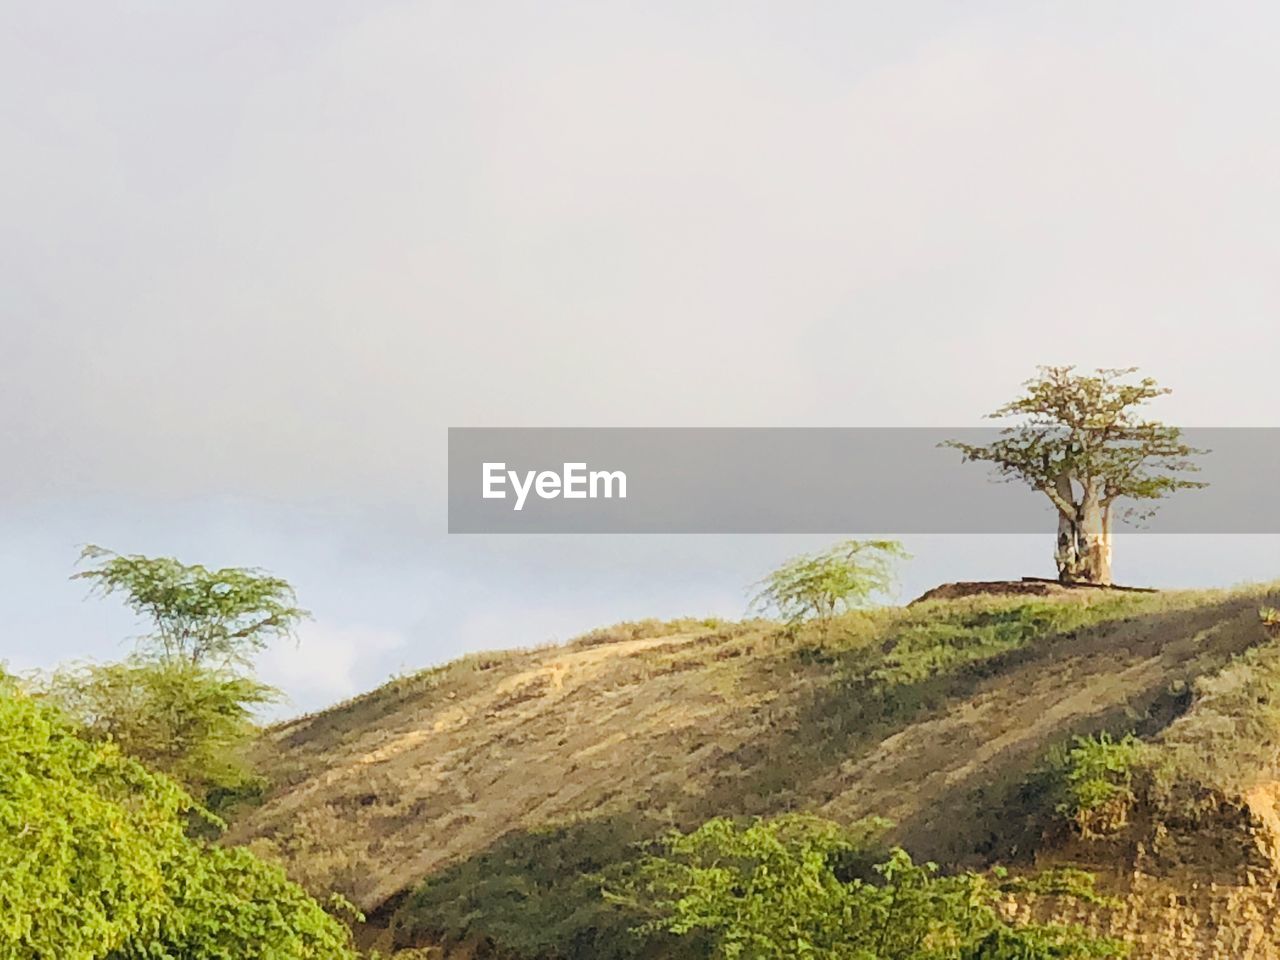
[[821, 585], [772, 890], [96, 862], [191, 722], [1099, 774]]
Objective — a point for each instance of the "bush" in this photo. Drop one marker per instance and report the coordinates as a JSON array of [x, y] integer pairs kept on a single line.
[[819, 586], [190, 722], [97, 863], [1099, 782], [772, 890]]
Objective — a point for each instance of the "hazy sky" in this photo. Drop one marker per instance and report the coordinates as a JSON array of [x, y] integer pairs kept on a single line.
[[255, 258]]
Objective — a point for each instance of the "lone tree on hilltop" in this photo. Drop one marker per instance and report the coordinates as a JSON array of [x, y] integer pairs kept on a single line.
[[1082, 443]]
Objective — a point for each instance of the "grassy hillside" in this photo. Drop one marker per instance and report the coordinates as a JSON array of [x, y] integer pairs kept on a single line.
[[505, 778]]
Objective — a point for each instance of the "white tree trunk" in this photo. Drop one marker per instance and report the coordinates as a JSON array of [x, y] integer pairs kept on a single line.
[[1095, 541]]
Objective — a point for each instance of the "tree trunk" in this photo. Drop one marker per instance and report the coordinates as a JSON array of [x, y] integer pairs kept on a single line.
[[1084, 541], [1067, 554]]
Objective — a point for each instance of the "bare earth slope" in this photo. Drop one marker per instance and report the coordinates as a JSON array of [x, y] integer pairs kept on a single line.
[[931, 715]]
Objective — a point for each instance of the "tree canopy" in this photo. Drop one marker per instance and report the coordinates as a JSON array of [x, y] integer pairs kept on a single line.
[[821, 585], [206, 617]]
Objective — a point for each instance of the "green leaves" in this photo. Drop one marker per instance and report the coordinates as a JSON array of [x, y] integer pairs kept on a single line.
[[1086, 430], [1081, 442], [218, 618], [1099, 782], [96, 864], [774, 890], [191, 722], [96, 861], [821, 585], [181, 704]]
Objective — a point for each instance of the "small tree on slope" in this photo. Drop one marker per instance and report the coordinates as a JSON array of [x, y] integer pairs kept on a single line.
[[820, 586], [1082, 443]]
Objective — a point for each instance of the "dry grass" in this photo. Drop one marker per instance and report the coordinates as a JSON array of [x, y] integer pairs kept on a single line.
[[922, 714]]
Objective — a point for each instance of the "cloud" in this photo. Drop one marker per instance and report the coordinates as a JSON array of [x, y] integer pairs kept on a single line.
[[330, 662], [283, 269]]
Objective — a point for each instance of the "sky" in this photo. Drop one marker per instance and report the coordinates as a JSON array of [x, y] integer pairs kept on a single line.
[[255, 259]]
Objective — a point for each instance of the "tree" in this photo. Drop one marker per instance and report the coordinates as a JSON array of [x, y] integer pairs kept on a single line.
[[1083, 444], [777, 889], [205, 617], [98, 863], [821, 585], [182, 704], [190, 722]]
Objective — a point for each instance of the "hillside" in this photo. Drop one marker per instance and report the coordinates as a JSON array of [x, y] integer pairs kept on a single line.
[[944, 717]]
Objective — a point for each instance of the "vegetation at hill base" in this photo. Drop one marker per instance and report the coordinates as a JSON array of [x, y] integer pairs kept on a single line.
[[791, 886], [788, 887], [99, 864], [191, 722]]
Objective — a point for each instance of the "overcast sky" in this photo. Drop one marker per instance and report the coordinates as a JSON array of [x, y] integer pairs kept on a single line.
[[255, 258]]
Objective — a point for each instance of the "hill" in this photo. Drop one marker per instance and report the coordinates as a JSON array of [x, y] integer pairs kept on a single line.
[[503, 778]]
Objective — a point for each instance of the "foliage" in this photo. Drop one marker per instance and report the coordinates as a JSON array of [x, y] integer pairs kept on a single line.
[[772, 890], [1099, 774], [1082, 444], [1085, 427], [218, 618], [185, 720], [180, 705], [821, 585], [99, 866]]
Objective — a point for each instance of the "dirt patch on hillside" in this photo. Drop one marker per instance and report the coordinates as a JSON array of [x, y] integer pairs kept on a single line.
[[1026, 587]]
